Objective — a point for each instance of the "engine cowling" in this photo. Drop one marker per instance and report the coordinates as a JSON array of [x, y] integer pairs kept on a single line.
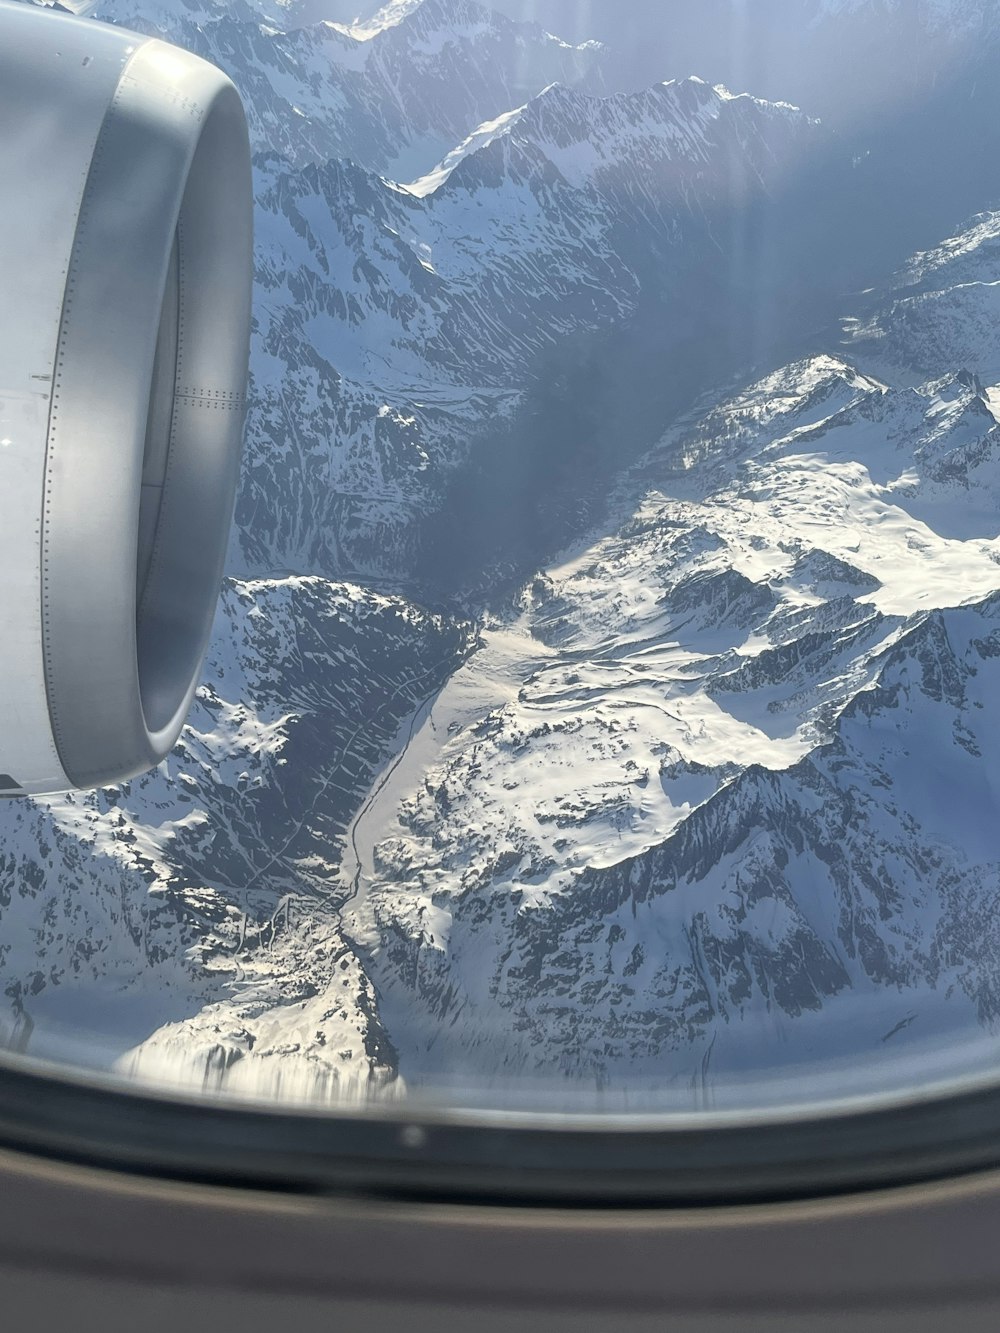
[[125, 279]]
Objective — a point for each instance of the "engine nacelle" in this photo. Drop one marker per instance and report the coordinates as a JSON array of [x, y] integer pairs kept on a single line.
[[125, 279]]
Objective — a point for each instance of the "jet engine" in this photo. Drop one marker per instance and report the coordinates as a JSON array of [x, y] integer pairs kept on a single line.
[[125, 276]]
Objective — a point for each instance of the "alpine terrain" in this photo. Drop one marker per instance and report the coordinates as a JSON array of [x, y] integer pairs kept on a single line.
[[601, 702]]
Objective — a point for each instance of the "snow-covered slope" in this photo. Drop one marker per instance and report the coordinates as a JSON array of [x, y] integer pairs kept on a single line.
[[942, 309], [198, 903], [838, 57], [718, 804], [394, 96], [595, 142], [392, 330]]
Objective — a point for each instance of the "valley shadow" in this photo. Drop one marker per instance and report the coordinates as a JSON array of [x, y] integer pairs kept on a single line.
[[761, 279]]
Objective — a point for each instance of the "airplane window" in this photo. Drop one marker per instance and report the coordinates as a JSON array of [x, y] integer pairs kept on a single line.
[[600, 713]]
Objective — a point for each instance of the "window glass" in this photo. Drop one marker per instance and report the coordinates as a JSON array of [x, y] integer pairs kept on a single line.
[[602, 704]]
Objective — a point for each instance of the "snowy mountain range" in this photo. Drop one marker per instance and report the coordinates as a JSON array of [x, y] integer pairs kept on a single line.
[[710, 815], [395, 326], [842, 58], [734, 769], [394, 96], [709, 793]]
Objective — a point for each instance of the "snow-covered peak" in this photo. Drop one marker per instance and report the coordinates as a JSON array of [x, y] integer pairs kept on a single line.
[[430, 19], [738, 749], [394, 94], [585, 137], [389, 16], [940, 311], [970, 256], [673, 117], [480, 137], [433, 23]]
